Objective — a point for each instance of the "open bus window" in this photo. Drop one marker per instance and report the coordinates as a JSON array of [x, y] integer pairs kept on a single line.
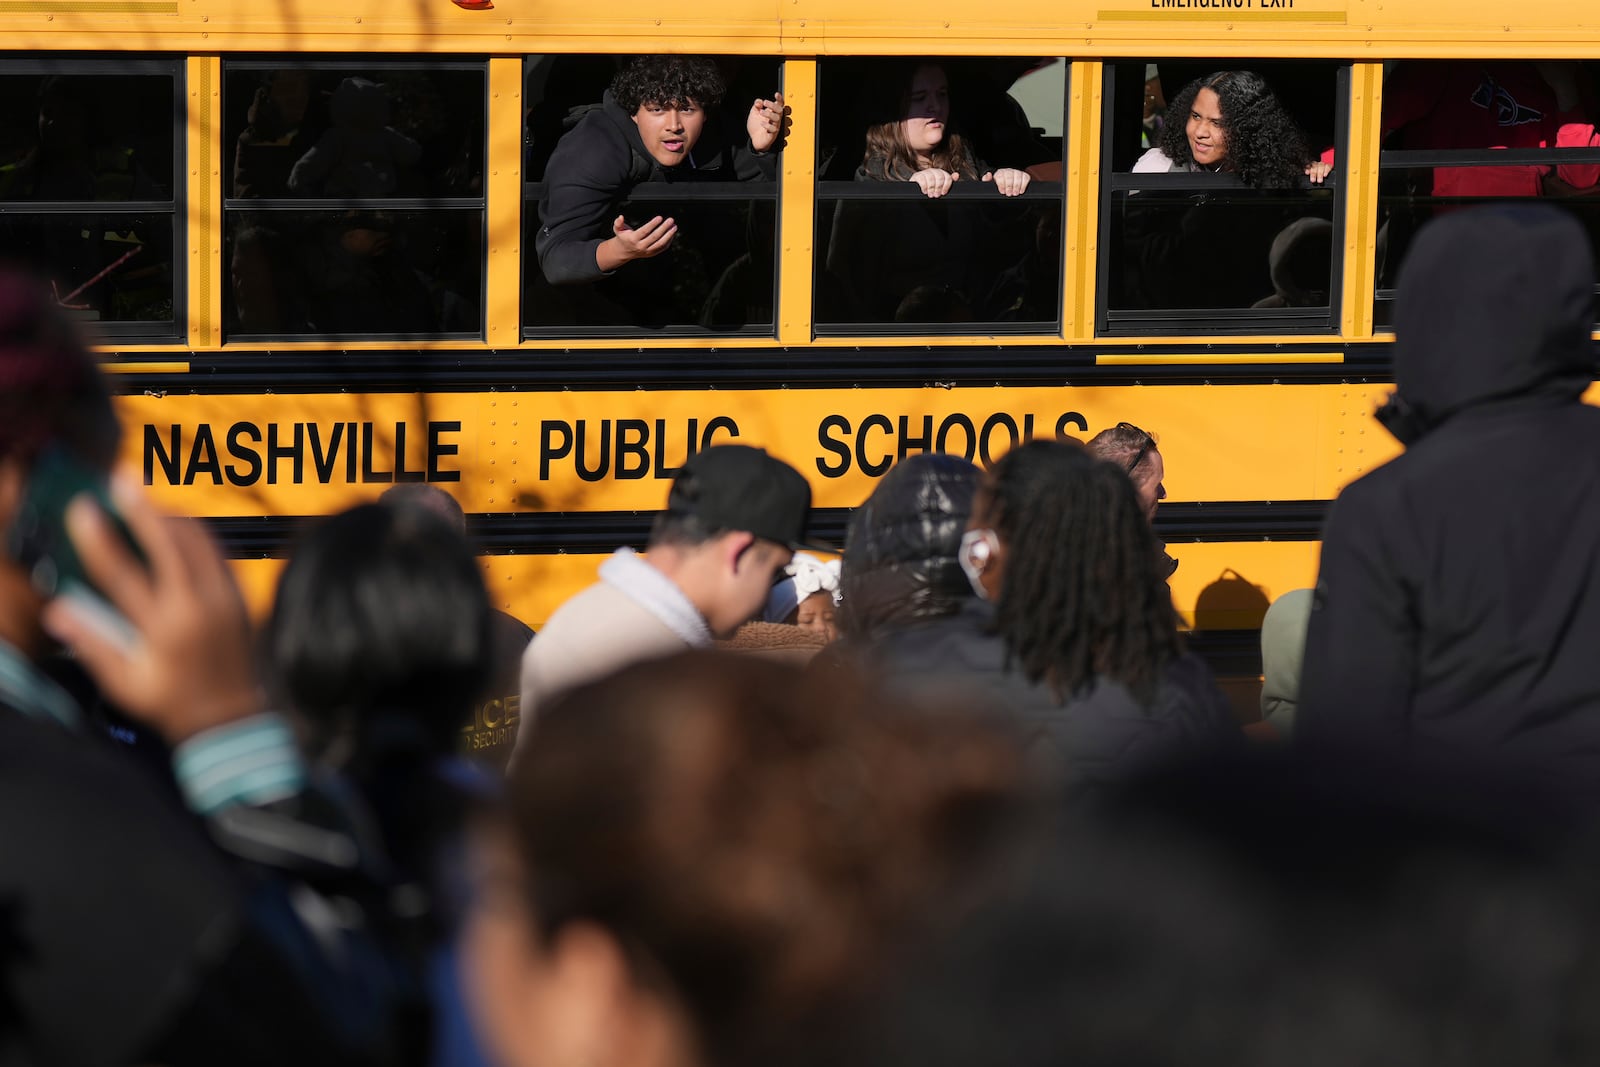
[[354, 199], [983, 253], [1220, 211], [688, 184], [88, 164], [1457, 134]]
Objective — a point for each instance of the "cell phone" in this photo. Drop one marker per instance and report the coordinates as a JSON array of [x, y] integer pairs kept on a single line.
[[38, 538]]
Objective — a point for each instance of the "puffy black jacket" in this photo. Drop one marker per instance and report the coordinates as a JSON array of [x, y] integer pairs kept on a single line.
[[1458, 605], [1100, 736], [900, 552]]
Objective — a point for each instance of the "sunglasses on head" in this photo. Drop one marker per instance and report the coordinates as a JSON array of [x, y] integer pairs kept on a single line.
[[1144, 449]]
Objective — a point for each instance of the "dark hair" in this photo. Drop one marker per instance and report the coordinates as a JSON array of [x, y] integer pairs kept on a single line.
[[1081, 596], [900, 564], [1262, 913], [669, 81], [51, 391], [752, 838], [1265, 148], [889, 158], [428, 497], [381, 625], [682, 530]]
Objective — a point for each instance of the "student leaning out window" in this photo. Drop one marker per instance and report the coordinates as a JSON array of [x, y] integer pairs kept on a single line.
[[659, 122]]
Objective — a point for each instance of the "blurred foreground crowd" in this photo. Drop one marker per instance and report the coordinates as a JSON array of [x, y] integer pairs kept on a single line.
[[1005, 818]]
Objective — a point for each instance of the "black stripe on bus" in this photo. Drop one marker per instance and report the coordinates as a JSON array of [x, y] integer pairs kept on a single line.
[[601, 531], [558, 370]]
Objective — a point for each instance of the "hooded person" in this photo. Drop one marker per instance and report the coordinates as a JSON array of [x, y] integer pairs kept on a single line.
[[1457, 611]]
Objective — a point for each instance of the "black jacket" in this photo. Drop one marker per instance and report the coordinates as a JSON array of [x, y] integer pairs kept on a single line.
[[1098, 737], [1458, 605], [595, 167], [900, 553], [126, 935]]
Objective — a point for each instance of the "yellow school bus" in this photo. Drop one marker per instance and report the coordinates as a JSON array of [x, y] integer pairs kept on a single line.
[[305, 233]]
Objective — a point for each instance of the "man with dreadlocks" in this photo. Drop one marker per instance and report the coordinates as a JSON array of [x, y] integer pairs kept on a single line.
[[1073, 630]]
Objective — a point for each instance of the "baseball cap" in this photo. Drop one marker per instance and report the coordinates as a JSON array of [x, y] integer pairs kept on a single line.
[[736, 487]]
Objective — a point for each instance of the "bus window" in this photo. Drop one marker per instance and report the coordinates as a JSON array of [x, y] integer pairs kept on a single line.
[[88, 165], [1460, 133], [354, 200], [697, 193], [1220, 210], [939, 195]]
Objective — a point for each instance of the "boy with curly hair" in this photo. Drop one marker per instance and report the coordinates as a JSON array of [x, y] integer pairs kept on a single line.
[[656, 123]]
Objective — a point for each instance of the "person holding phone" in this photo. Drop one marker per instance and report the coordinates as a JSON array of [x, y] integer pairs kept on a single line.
[[128, 935]]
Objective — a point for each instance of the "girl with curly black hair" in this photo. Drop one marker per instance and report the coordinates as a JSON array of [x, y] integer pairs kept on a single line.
[[1231, 122]]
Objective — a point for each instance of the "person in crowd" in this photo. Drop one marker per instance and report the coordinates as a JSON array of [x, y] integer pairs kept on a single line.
[[884, 254], [706, 851], [657, 122], [1073, 630], [798, 621], [1283, 649], [1230, 122], [380, 641], [734, 517], [1135, 451], [1257, 913], [902, 547], [1457, 608], [489, 733], [127, 936], [808, 597]]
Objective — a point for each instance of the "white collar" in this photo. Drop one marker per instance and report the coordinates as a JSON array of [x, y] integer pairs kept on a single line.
[[657, 594]]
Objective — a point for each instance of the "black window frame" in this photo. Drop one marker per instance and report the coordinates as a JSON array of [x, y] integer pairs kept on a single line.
[[1413, 159], [311, 205], [1177, 322], [752, 191], [175, 67], [843, 191]]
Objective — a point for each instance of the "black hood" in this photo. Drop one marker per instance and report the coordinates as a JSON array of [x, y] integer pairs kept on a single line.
[[625, 126], [1493, 304]]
